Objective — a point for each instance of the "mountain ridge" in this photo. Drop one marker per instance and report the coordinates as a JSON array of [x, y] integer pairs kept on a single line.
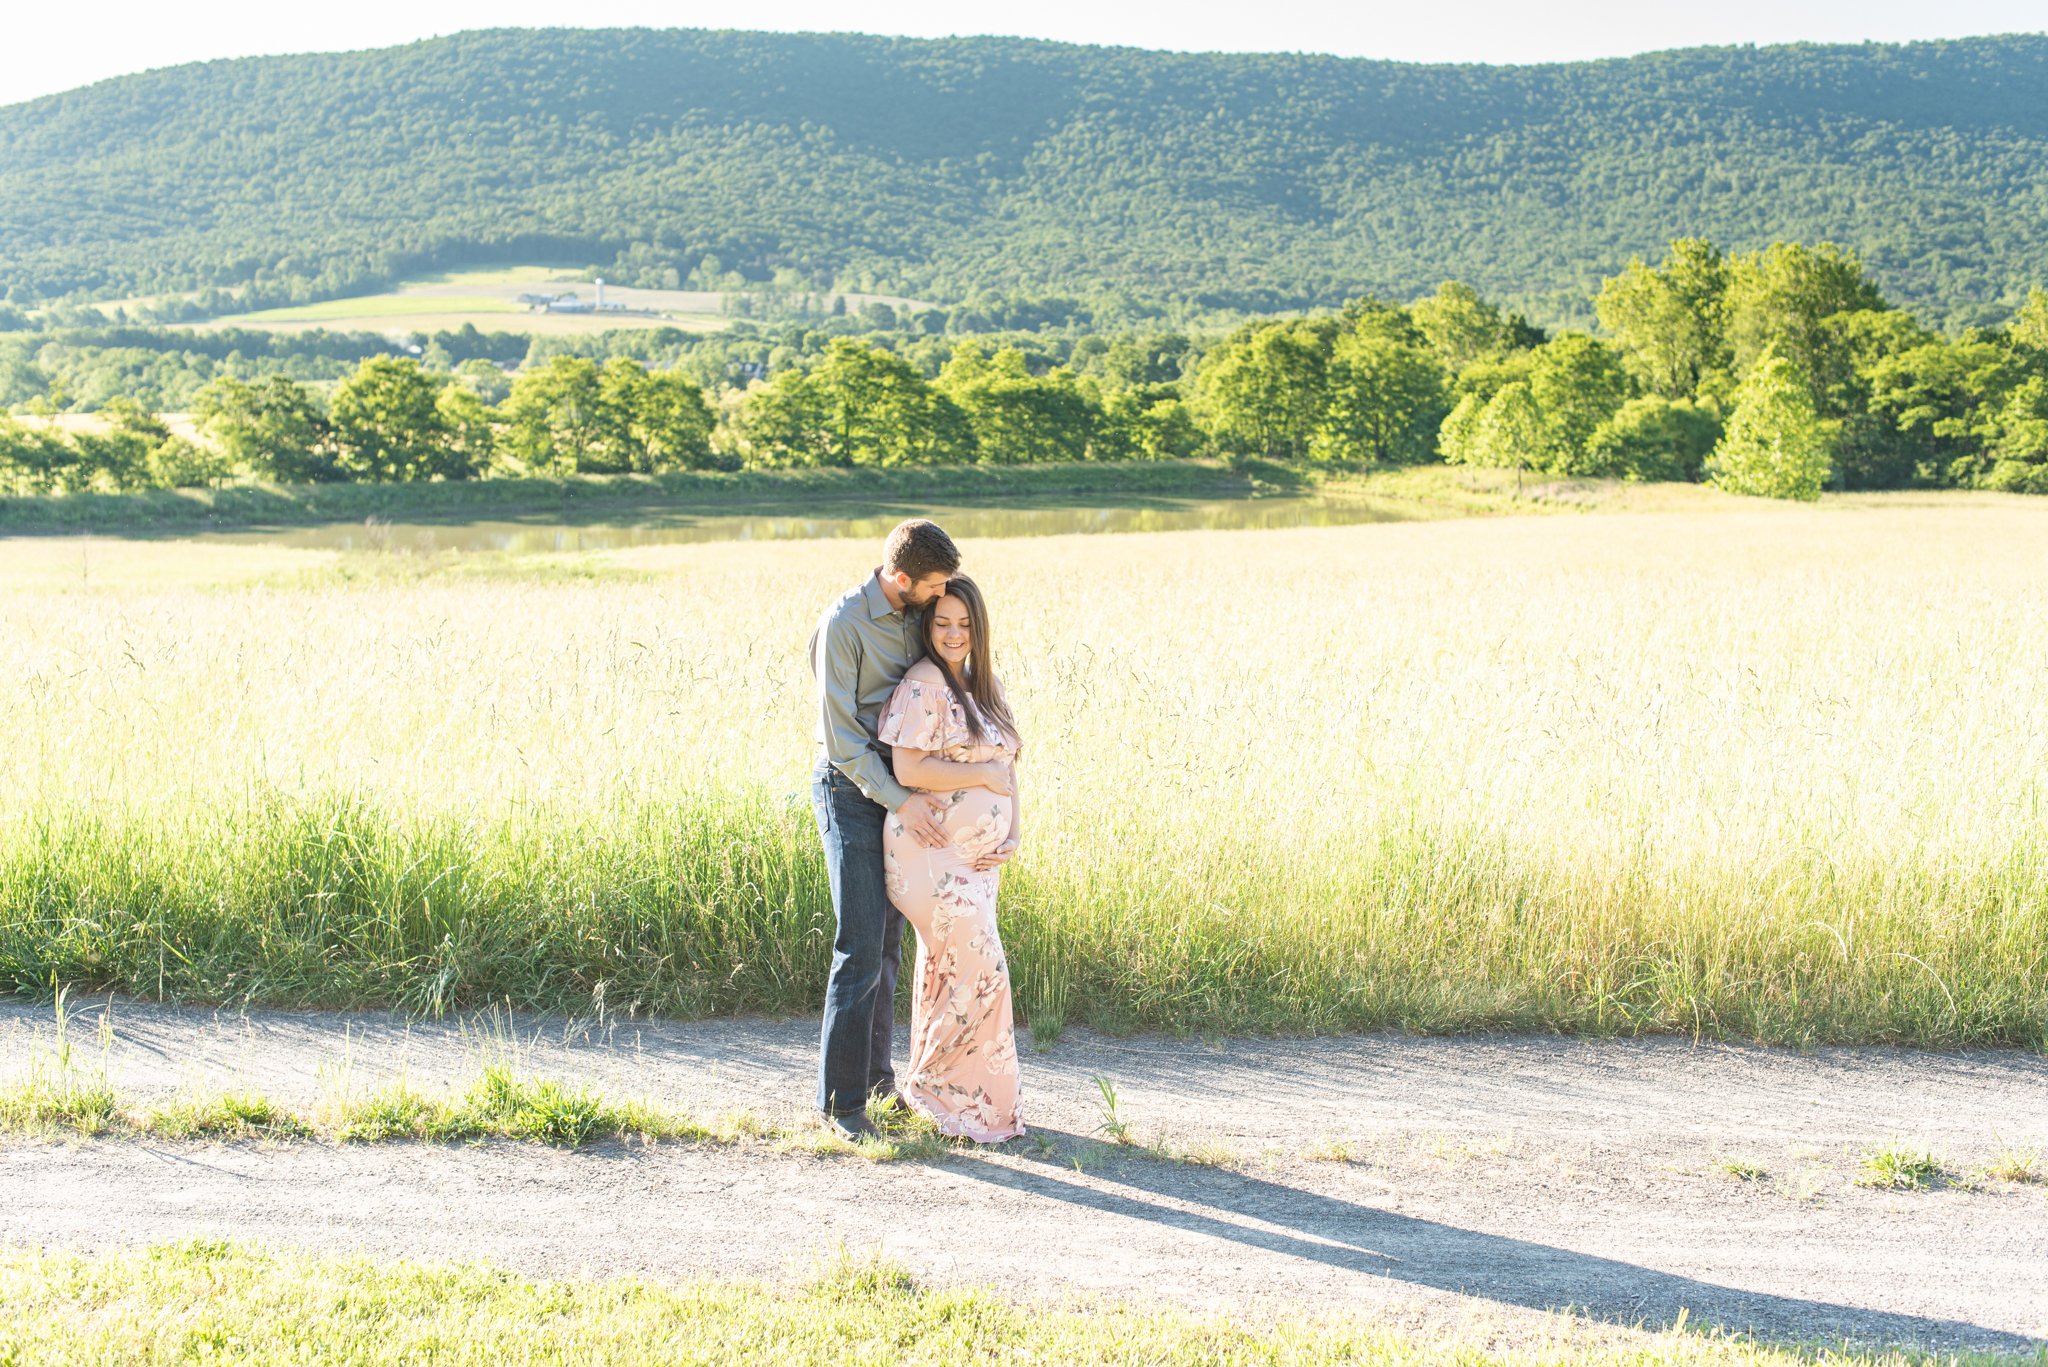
[[951, 167]]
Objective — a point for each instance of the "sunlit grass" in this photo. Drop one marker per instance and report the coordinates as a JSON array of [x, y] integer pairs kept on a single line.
[[2015, 1165], [208, 1300], [501, 1103], [42, 1105], [381, 305], [1775, 776], [1896, 1167], [221, 1115]]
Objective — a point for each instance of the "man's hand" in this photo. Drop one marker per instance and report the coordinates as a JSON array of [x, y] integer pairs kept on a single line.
[[996, 858], [921, 817]]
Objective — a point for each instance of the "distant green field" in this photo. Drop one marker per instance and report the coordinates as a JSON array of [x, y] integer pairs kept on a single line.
[[445, 300], [332, 310]]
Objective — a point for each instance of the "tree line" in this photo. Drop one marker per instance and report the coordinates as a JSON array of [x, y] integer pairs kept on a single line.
[[1780, 372]]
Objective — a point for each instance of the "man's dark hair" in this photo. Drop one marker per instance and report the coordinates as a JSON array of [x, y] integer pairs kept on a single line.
[[920, 548]]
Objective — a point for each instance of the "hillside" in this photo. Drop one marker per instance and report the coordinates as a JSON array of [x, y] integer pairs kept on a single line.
[[954, 167]]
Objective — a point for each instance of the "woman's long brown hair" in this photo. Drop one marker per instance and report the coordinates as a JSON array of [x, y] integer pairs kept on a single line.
[[980, 696]]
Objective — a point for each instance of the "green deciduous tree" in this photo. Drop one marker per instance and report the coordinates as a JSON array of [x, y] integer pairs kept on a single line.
[[1779, 301], [35, 460], [1577, 383], [782, 421], [178, 463], [1015, 416], [484, 378], [1776, 444], [388, 424], [2027, 331], [1654, 438], [1506, 432], [880, 411], [1262, 390], [1458, 439], [274, 430], [470, 435], [1670, 321], [860, 405], [556, 420], [672, 422], [120, 457], [1461, 327], [1384, 398], [1146, 422], [1937, 403], [2018, 452]]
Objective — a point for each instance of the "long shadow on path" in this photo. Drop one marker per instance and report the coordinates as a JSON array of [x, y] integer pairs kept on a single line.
[[1403, 1248]]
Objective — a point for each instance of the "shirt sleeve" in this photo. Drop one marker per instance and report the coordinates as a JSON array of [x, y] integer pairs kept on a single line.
[[916, 716], [846, 745]]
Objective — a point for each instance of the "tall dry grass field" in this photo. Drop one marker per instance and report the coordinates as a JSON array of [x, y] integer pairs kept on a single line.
[[1774, 774]]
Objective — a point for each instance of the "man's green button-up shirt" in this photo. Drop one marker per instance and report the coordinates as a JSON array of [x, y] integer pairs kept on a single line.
[[861, 650]]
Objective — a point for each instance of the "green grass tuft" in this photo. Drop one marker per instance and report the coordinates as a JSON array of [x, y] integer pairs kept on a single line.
[[43, 1106], [1895, 1168], [2015, 1165], [502, 1104], [228, 1115]]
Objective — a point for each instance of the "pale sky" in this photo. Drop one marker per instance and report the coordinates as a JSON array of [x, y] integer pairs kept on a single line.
[[54, 46]]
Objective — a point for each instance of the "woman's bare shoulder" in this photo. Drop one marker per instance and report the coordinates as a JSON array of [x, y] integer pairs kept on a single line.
[[924, 671]]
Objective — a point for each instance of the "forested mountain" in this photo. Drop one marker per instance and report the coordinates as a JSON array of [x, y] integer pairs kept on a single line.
[[956, 167]]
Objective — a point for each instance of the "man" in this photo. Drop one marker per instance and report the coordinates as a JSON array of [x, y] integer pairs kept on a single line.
[[864, 643]]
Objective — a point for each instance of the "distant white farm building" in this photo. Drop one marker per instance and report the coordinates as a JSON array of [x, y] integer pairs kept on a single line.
[[570, 302]]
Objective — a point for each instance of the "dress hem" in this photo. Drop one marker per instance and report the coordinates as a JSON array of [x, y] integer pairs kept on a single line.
[[951, 1126]]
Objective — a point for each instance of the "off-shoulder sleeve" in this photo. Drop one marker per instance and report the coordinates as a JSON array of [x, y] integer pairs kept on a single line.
[[916, 716]]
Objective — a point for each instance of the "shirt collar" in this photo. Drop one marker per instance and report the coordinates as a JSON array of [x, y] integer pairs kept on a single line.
[[878, 602]]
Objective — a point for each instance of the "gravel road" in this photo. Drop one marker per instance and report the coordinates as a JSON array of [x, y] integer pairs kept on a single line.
[[1460, 1185]]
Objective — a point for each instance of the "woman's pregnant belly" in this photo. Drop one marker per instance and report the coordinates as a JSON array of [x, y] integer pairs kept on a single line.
[[919, 879], [977, 820]]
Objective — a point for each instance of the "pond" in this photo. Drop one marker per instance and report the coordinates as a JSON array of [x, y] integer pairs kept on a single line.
[[614, 530]]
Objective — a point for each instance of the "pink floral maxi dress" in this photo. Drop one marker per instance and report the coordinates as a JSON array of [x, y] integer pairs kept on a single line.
[[963, 1044]]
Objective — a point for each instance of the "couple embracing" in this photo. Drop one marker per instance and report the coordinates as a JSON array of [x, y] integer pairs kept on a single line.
[[916, 797]]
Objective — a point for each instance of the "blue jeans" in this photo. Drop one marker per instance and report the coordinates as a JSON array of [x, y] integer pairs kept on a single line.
[[860, 996]]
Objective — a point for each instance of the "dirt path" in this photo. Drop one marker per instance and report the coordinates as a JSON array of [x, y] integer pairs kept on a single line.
[[1486, 1180]]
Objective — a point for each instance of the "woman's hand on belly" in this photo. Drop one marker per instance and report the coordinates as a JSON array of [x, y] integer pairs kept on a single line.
[[991, 860], [996, 777]]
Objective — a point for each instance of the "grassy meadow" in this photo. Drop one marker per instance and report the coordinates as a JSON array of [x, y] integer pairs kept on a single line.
[[1772, 774], [217, 1301]]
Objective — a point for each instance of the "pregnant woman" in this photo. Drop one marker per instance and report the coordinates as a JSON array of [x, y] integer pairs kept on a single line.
[[951, 732]]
